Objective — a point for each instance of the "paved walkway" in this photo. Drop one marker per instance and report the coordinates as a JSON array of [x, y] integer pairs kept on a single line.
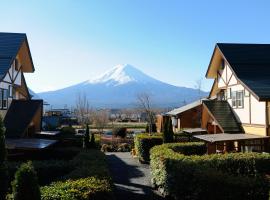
[[131, 179]]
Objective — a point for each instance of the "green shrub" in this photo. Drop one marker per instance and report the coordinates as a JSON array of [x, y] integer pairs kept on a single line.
[[90, 179], [119, 147], [143, 143], [47, 170], [120, 132], [68, 130], [182, 171], [83, 189], [25, 185]]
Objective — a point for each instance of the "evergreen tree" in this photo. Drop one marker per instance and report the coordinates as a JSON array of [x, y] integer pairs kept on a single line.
[[92, 140], [25, 185], [167, 130], [3, 165], [86, 142]]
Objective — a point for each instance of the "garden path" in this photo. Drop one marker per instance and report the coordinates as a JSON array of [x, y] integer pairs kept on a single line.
[[131, 178]]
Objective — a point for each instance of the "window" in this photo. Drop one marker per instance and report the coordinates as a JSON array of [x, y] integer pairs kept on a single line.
[[229, 93], [4, 98], [247, 93], [10, 91], [238, 99]]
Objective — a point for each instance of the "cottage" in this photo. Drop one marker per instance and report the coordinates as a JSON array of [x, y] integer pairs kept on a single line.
[[22, 116], [240, 97], [187, 116]]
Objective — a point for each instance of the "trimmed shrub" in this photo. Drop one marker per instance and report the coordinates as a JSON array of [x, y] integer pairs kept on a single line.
[[90, 179], [68, 130], [120, 132], [182, 171], [25, 185], [167, 130], [154, 128], [143, 143]]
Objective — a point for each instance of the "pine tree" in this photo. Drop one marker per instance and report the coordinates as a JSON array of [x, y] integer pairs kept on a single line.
[[86, 137], [3, 165], [92, 140], [25, 185]]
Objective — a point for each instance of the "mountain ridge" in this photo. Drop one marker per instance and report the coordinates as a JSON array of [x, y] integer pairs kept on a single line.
[[119, 87]]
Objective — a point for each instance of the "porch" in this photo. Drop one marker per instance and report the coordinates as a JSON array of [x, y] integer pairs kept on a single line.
[[241, 142]]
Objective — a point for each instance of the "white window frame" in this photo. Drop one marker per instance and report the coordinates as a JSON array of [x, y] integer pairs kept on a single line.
[[238, 99]]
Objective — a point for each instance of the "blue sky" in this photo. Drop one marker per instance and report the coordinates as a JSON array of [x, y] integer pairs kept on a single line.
[[74, 40]]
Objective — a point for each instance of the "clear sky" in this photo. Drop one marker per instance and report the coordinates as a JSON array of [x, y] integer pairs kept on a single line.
[[74, 40]]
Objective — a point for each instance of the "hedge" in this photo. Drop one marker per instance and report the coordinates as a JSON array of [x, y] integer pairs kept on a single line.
[[47, 170], [90, 179], [143, 143], [214, 176]]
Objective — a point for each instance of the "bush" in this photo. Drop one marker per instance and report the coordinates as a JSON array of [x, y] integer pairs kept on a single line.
[[25, 185], [121, 147], [120, 132], [154, 128], [68, 130], [182, 171], [143, 144], [92, 140], [90, 179]]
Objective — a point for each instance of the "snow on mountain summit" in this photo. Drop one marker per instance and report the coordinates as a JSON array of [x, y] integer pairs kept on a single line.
[[121, 74]]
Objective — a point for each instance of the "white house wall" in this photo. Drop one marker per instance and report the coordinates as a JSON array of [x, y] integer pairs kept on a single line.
[[7, 78], [253, 111], [257, 111], [18, 80], [4, 85]]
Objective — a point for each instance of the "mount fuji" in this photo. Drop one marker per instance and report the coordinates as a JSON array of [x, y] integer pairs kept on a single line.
[[119, 88]]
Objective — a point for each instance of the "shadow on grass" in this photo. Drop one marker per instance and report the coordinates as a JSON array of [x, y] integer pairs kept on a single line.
[[131, 179]]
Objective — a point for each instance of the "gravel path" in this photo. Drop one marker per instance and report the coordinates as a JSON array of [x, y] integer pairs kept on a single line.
[[131, 179]]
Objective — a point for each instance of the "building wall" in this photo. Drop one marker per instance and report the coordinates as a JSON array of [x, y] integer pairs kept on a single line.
[[253, 114], [190, 118]]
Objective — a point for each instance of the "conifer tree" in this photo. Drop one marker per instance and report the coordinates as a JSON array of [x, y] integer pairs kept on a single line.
[[25, 185], [3, 165], [167, 130], [86, 137]]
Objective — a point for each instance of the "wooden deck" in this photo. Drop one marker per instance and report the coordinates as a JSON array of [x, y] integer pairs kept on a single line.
[[29, 144]]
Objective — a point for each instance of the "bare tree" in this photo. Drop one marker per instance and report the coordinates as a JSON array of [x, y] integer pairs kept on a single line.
[[144, 102], [198, 85], [83, 110], [101, 119]]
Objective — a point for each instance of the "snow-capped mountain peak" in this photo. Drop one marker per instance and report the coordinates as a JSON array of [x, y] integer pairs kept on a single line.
[[121, 74]]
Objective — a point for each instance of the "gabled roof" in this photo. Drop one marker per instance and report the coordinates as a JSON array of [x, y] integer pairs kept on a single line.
[[10, 45], [19, 116], [251, 65], [184, 108]]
